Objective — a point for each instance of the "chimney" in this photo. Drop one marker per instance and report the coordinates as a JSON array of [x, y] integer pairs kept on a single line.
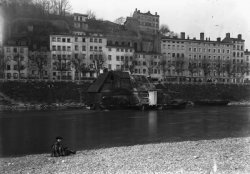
[[136, 9], [187, 37], [194, 38], [218, 39], [246, 50], [227, 35], [239, 36], [201, 36], [182, 35], [209, 39], [155, 13]]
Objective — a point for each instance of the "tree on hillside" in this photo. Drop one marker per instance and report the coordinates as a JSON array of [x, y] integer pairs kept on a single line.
[[164, 29], [91, 14], [120, 20]]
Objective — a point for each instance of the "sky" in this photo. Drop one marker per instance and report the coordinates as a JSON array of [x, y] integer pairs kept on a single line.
[[213, 17]]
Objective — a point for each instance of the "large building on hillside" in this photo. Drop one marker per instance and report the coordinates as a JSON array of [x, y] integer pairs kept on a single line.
[[147, 22], [197, 60]]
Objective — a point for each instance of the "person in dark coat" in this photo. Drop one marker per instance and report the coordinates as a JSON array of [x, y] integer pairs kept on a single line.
[[59, 150]]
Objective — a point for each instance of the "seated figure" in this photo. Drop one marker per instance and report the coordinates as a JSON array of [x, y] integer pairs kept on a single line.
[[59, 150]]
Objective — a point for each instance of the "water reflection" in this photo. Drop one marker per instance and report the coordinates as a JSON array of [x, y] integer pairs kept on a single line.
[[34, 132]]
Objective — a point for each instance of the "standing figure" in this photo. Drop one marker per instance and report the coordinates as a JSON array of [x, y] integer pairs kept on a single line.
[[59, 150]]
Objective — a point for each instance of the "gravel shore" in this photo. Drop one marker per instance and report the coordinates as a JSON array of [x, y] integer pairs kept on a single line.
[[230, 155]]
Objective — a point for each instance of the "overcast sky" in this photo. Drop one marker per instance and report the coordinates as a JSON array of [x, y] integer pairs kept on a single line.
[[214, 17]]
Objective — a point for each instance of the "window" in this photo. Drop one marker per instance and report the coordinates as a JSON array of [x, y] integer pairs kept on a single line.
[[76, 48], [83, 39], [15, 67], [58, 39], [109, 66], [68, 48], [84, 56], [91, 40], [117, 49], [91, 48], [63, 40], [95, 40], [122, 50], [83, 48], [117, 58], [58, 48], [95, 48], [68, 39], [15, 50], [8, 49], [64, 48], [100, 40], [109, 57], [21, 50], [8, 67], [110, 49], [100, 48], [53, 39], [91, 57]]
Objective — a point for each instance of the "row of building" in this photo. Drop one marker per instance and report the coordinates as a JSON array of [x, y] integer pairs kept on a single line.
[[93, 46]]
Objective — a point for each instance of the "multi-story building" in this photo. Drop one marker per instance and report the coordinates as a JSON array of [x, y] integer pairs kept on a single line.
[[196, 60], [77, 56], [61, 47], [119, 57], [39, 64], [16, 62], [148, 64], [237, 57], [147, 21], [247, 66]]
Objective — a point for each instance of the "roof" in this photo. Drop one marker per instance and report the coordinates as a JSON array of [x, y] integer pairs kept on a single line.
[[226, 39], [97, 85], [79, 14], [195, 40], [147, 13]]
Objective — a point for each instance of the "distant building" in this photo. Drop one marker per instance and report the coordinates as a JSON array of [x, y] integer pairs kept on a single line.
[[147, 22], [16, 61], [237, 57], [247, 63], [80, 21], [196, 60]]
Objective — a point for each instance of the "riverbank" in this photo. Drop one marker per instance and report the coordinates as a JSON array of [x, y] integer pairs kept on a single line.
[[230, 155], [41, 106]]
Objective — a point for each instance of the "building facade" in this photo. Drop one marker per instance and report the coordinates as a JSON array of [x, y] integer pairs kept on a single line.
[[196, 60], [247, 62], [147, 22], [16, 62]]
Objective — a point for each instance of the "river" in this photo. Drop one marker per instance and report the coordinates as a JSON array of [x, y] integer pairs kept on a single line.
[[32, 132]]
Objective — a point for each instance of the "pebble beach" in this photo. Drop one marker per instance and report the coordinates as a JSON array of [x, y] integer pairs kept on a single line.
[[229, 155]]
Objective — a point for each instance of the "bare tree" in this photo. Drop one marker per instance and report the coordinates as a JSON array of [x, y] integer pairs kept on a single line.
[[206, 67], [120, 20], [20, 64], [99, 59], [40, 61], [91, 14], [2, 65], [164, 29]]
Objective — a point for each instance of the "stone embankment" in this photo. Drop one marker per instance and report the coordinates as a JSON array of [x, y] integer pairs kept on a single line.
[[227, 156]]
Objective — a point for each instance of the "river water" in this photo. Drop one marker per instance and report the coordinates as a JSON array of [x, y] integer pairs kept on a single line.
[[33, 132]]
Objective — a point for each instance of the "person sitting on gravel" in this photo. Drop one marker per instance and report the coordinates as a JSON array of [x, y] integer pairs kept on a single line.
[[59, 150]]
